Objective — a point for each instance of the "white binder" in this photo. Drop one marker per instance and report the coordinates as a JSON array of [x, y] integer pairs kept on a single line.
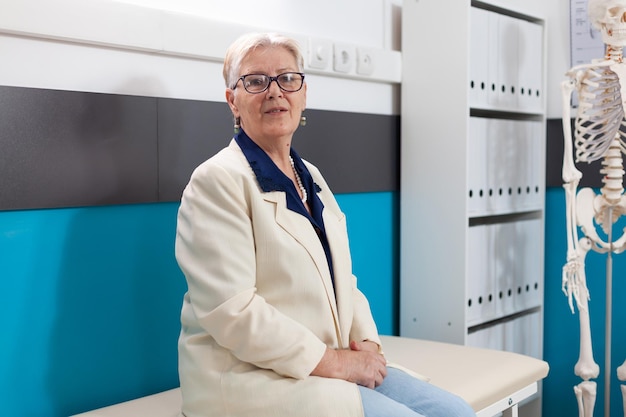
[[493, 146], [501, 159], [480, 304], [479, 58], [529, 184], [522, 335], [530, 46], [513, 152], [507, 61], [476, 166], [521, 165], [493, 48], [490, 338], [506, 54], [505, 258], [529, 272], [512, 162], [538, 159]]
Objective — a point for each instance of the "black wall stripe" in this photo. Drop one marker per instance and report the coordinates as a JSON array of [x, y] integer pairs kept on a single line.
[[355, 152], [61, 148], [189, 133], [554, 159], [67, 149]]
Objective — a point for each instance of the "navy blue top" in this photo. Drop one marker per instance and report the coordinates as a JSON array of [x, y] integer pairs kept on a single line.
[[271, 178]]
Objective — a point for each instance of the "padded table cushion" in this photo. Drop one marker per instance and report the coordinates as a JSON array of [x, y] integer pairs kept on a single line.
[[480, 376]]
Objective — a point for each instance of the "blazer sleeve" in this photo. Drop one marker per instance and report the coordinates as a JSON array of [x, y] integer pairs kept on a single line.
[[363, 325], [215, 249]]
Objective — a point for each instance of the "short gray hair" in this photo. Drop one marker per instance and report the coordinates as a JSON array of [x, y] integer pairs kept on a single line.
[[239, 49]]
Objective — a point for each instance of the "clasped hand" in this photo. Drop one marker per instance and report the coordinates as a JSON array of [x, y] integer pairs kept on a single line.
[[362, 364]]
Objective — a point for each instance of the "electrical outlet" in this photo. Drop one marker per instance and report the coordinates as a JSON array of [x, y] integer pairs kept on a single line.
[[364, 61], [344, 56], [319, 53]]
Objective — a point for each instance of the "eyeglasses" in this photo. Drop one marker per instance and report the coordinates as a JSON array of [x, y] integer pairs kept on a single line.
[[257, 83]]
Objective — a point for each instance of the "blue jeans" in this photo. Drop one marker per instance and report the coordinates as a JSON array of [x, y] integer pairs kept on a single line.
[[401, 395]]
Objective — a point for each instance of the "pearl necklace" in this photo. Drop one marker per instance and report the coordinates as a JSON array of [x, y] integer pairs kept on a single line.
[[298, 180]]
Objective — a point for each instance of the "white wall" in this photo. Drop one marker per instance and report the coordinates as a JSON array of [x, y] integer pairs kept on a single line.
[[144, 47], [117, 54], [376, 23], [367, 22]]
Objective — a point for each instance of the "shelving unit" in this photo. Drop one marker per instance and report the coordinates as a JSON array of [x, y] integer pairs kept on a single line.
[[472, 175]]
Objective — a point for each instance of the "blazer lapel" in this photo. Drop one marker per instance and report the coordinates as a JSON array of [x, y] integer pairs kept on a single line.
[[343, 272], [300, 228]]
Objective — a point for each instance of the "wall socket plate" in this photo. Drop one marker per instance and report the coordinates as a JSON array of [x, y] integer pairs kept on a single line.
[[364, 61], [344, 57], [319, 53]]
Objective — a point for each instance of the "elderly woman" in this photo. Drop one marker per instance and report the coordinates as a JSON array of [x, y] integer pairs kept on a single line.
[[273, 323]]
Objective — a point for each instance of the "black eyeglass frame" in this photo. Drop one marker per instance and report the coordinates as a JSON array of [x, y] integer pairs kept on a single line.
[[270, 78]]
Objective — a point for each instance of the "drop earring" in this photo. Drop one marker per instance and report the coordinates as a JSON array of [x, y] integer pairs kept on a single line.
[[303, 121], [236, 127]]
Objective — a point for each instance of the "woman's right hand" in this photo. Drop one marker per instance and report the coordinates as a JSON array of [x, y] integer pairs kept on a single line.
[[362, 367]]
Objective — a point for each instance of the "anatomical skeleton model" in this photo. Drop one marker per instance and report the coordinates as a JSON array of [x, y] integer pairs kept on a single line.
[[599, 133]]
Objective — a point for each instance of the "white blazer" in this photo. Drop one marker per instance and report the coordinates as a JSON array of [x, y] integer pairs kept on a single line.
[[261, 307]]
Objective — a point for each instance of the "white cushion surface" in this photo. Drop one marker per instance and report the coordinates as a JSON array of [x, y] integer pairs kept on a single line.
[[163, 404], [480, 376]]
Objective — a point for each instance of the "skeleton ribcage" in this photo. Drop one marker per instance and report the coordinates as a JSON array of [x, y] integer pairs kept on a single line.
[[600, 114]]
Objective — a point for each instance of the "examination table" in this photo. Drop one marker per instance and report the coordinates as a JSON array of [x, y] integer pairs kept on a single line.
[[491, 381]]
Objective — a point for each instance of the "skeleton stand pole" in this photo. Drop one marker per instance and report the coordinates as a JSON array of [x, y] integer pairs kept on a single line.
[[607, 338], [608, 319]]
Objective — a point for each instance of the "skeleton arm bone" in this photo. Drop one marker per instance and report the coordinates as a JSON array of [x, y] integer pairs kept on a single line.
[[569, 173], [571, 178], [574, 282]]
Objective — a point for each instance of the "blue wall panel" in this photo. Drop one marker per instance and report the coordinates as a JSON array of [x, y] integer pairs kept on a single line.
[[90, 299], [373, 231], [561, 328]]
